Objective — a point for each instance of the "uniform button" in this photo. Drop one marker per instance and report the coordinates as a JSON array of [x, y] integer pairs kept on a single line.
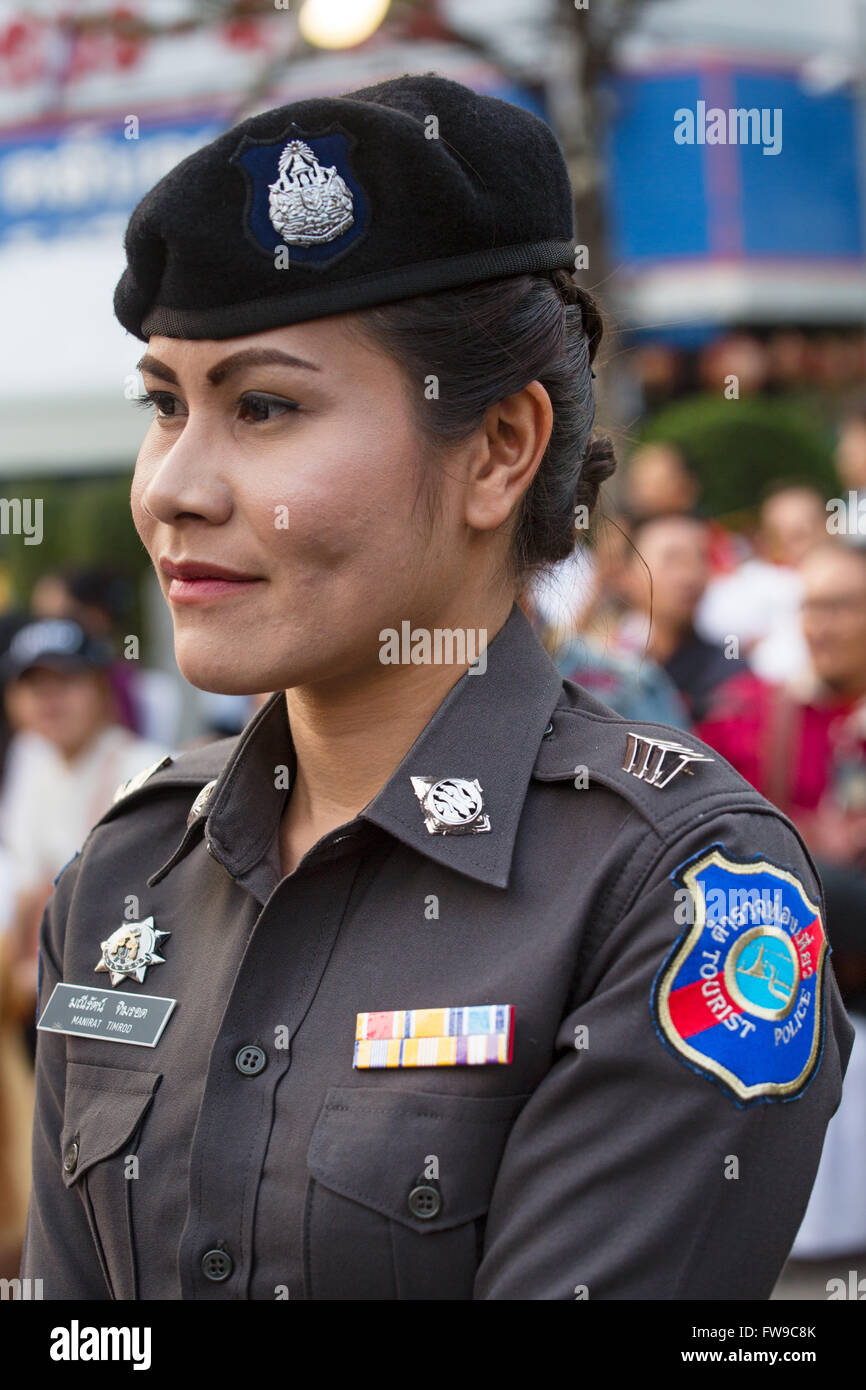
[[251, 1060], [548, 733], [425, 1202], [70, 1157], [217, 1265]]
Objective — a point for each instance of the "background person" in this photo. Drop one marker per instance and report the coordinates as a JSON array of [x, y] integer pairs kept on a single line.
[[660, 480], [850, 459], [60, 699], [662, 581], [759, 601], [99, 598], [800, 742]]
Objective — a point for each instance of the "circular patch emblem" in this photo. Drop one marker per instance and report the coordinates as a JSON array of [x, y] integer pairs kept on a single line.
[[762, 973], [455, 801]]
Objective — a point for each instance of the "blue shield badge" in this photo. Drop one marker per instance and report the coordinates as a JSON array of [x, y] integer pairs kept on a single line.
[[740, 997], [303, 196]]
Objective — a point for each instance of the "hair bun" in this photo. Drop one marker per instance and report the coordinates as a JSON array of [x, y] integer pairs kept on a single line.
[[574, 294], [599, 462]]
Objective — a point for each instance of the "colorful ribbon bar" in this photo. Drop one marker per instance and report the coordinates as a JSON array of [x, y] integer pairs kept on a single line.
[[469, 1035]]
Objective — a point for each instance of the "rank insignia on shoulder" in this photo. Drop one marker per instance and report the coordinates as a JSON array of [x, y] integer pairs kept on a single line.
[[132, 784], [472, 1035], [451, 805], [657, 760], [740, 997]]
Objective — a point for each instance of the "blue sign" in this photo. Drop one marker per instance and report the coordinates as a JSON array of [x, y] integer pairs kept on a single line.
[[731, 165], [63, 181]]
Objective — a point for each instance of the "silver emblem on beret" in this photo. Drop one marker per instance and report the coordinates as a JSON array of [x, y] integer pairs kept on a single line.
[[130, 950], [645, 759], [451, 805], [308, 204]]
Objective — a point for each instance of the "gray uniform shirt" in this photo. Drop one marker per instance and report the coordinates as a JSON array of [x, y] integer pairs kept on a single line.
[[620, 1152]]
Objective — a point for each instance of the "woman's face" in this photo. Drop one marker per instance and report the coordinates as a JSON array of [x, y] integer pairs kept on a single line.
[[290, 459]]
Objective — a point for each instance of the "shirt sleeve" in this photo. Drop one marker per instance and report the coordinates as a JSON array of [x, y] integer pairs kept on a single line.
[[632, 1173], [58, 1246]]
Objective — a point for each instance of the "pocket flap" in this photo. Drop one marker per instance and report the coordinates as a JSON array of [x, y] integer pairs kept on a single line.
[[102, 1109], [373, 1145]]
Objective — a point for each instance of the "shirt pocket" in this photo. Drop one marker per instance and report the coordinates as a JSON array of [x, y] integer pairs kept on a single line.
[[399, 1187], [103, 1111]]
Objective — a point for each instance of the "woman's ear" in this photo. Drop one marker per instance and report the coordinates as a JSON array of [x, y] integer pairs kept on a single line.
[[516, 432]]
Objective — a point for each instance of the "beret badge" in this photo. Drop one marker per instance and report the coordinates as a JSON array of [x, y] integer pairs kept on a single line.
[[303, 188], [308, 204]]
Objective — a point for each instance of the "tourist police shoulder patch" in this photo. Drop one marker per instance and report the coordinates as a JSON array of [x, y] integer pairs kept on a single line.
[[740, 997]]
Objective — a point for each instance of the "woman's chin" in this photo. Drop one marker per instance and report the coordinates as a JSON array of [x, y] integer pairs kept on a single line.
[[221, 675]]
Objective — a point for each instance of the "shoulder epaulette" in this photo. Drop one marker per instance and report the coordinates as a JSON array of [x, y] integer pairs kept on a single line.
[[193, 768], [672, 778]]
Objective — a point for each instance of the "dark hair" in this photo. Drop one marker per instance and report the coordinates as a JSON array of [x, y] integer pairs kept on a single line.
[[486, 341], [777, 486], [638, 526]]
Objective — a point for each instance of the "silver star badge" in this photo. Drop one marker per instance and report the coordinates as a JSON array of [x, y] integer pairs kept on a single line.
[[451, 805], [128, 952]]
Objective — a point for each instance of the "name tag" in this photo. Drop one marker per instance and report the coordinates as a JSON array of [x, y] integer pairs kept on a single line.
[[105, 1013]]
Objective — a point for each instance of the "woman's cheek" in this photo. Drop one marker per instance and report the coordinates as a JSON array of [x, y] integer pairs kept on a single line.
[[314, 528], [141, 520]]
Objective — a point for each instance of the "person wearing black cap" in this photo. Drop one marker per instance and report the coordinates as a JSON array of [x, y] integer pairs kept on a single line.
[[451, 983], [65, 760]]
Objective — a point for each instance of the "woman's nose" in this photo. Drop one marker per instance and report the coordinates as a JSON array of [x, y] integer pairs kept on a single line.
[[188, 482]]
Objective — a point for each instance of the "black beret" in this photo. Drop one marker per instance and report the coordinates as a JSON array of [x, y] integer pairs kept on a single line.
[[334, 203]]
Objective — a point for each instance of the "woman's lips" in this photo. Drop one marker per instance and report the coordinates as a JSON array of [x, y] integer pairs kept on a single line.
[[199, 581], [199, 590]]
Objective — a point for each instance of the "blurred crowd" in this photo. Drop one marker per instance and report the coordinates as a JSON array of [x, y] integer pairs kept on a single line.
[[79, 717], [756, 642], [753, 640]]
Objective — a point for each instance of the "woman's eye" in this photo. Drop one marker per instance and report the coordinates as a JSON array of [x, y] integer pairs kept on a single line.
[[258, 409], [166, 406]]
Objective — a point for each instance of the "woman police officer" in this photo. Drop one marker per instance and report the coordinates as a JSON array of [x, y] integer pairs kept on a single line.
[[451, 983]]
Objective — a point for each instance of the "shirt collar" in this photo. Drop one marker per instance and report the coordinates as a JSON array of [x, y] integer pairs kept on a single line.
[[487, 729]]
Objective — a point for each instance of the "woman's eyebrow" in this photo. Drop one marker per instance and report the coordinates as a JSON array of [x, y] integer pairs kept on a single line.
[[247, 357], [256, 357], [156, 368]]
